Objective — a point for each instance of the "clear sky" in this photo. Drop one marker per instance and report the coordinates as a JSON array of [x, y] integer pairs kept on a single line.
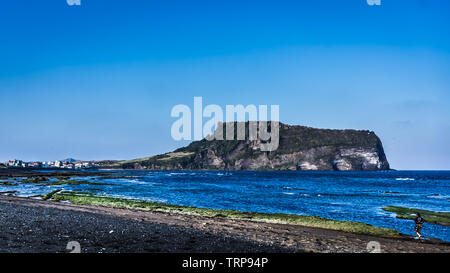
[[98, 81]]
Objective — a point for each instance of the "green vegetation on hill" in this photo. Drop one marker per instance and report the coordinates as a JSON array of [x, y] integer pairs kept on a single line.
[[297, 144]]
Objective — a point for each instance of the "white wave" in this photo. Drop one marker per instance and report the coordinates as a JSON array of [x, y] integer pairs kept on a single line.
[[170, 174], [439, 196], [224, 174], [341, 204], [289, 193], [405, 179], [140, 182], [132, 180]]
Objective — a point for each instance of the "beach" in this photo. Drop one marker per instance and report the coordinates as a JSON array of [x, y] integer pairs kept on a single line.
[[32, 225], [373, 203]]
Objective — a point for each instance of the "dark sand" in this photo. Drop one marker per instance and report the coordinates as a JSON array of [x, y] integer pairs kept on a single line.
[[30, 225]]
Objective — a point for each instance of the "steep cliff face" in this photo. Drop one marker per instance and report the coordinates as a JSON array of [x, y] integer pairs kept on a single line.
[[300, 148]]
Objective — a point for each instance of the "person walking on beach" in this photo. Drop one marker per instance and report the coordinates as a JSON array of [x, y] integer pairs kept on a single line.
[[419, 223]]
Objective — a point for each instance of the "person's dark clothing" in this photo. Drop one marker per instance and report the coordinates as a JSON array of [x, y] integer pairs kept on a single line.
[[419, 223]]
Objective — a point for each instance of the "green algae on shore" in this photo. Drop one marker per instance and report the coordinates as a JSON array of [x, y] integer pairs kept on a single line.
[[49, 195], [36, 180], [8, 192], [439, 218], [44, 181], [302, 220], [7, 183], [75, 182]]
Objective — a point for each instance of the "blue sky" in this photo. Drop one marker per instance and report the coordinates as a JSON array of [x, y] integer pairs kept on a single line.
[[98, 81]]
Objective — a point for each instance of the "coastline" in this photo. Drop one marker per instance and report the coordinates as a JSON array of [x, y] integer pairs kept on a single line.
[[31, 225], [280, 218], [77, 193]]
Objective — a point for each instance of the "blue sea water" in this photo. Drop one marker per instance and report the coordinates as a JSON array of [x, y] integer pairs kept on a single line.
[[355, 196]]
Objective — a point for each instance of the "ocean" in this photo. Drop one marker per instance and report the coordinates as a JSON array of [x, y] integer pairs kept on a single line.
[[351, 196]]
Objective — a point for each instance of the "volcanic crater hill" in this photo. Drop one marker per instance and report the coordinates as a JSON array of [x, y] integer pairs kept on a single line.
[[300, 148]]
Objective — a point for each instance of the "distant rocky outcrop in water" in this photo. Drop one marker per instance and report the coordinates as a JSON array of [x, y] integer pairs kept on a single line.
[[300, 148]]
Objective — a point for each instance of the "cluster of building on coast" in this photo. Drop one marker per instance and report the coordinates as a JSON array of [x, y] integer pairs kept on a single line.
[[62, 164]]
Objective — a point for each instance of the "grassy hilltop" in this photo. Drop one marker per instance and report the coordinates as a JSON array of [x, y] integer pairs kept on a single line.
[[300, 148]]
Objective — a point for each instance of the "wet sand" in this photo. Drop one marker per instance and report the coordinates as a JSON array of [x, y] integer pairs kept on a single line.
[[30, 225]]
